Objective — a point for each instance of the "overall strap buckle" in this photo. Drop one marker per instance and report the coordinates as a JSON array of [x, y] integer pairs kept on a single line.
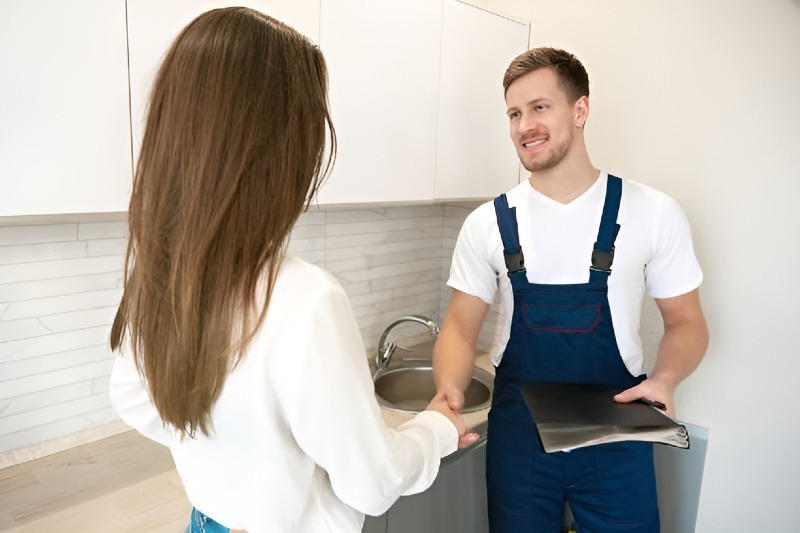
[[603, 252], [514, 262], [602, 260], [509, 234]]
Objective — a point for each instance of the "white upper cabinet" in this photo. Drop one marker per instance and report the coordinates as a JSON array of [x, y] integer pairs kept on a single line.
[[415, 92], [475, 156], [154, 24], [65, 144], [383, 62]]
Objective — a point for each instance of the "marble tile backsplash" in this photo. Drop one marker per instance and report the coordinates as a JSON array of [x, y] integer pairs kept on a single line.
[[60, 284]]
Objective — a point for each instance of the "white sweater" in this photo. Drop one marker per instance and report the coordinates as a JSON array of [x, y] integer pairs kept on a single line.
[[299, 443]]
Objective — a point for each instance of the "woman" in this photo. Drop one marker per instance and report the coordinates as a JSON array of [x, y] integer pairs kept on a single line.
[[245, 361]]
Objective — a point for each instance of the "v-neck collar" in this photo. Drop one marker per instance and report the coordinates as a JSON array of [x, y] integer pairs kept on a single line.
[[597, 188]]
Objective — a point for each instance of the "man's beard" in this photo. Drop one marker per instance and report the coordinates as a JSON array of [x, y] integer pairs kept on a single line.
[[554, 157]]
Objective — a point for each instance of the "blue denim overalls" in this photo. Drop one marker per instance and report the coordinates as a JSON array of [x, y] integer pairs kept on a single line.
[[563, 333]]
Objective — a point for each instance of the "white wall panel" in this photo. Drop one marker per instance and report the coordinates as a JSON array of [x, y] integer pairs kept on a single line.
[[65, 138]]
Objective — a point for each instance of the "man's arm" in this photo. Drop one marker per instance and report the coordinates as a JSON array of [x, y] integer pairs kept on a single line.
[[682, 348], [454, 352]]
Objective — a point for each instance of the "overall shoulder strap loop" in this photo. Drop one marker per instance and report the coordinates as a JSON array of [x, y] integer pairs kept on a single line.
[[509, 233]]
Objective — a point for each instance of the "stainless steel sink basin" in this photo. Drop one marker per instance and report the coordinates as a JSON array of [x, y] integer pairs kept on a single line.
[[411, 389]]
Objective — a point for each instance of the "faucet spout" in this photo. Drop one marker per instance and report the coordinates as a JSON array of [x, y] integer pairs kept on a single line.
[[386, 349]]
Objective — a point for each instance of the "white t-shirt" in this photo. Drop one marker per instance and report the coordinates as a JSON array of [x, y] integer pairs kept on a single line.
[[299, 445], [653, 252]]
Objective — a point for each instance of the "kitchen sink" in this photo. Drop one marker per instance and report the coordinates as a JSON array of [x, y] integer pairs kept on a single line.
[[411, 389]]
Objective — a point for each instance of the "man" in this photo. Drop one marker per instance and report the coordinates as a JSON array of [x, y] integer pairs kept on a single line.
[[572, 252]]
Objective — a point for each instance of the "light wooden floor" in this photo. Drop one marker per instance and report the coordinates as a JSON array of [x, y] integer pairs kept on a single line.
[[117, 484]]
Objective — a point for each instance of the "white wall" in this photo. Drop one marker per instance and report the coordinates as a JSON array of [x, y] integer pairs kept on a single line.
[[700, 99]]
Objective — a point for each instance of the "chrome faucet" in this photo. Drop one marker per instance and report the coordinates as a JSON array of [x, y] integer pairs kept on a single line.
[[386, 349]]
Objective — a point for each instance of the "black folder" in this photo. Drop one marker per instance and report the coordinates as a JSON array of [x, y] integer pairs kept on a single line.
[[572, 415]]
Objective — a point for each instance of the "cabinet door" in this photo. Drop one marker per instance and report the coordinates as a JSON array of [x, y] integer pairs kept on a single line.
[[154, 24], [455, 502], [64, 118], [475, 157], [383, 60]]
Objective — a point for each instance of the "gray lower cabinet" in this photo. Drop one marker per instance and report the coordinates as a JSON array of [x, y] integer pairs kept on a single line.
[[455, 502], [376, 524]]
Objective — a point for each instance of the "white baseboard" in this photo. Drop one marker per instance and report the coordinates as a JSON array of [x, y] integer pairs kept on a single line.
[[43, 449]]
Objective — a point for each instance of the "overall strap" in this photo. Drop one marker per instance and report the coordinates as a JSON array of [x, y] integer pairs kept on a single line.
[[507, 222], [603, 253]]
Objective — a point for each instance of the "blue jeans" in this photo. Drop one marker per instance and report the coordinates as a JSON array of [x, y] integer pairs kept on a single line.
[[200, 523]]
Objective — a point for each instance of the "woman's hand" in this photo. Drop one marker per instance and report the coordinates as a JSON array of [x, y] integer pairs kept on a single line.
[[439, 403]]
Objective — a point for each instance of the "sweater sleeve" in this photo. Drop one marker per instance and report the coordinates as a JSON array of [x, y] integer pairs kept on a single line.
[[336, 420], [131, 399]]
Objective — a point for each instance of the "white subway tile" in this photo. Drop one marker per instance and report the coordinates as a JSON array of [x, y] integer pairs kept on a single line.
[[100, 247], [388, 271], [55, 343], [3, 307], [382, 226], [338, 254], [391, 294], [63, 304], [12, 330], [49, 363], [311, 218], [469, 205], [307, 232], [60, 269], [14, 235], [447, 262], [366, 239], [29, 290], [103, 230], [41, 399], [452, 226], [400, 259], [48, 380], [91, 370], [53, 413], [315, 257], [392, 312], [451, 232], [31, 253], [365, 313], [356, 215], [79, 319], [394, 213], [59, 428], [306, 245], [356, 289], [461, 211], [448, 245], [403, 280]]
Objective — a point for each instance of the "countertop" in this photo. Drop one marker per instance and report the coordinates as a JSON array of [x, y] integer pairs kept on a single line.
[[476, 421]]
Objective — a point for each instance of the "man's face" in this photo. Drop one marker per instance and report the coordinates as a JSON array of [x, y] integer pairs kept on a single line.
[[541, 119]]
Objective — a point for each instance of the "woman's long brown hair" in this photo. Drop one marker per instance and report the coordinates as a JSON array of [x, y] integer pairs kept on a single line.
[[233, 151]]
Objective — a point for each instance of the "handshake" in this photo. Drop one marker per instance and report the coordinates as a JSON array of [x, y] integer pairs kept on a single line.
[[449, 402]]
